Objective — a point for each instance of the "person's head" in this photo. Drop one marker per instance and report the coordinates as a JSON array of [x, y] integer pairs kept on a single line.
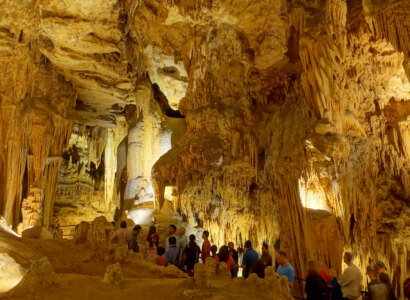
[[136, 230], [231, 245], [258, 267], [312, 267], [181, 231], [192, 238], [152, 229], [172, 229], [172, 241], [382, 267], [373, 272], [113, 224], [265, 248], [205, 235], [248, 245], [160, 251], [281, 258], [223, 253], [123, 224], [348, 258], [214, 249], [153, 240], [240, 250]]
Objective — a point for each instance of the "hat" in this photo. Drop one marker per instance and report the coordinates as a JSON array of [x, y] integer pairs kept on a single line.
[[381, 264]]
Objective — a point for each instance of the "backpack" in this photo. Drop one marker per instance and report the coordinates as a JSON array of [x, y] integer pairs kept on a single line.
[[406, 288]]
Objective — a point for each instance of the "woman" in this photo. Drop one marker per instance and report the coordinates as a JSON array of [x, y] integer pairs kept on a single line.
[[316, 288], [224, 255], [191, 254], [152, 230], [152, 247], [266, 258]]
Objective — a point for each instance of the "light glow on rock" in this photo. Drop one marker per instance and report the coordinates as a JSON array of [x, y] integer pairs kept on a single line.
[[11, 272], [311, 198]]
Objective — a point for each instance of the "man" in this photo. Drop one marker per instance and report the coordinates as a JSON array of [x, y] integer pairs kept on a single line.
[[133, 243], [172, 253], [206, 246], [122, 235], [384, 277], [182, 239], [351, 279], [377, 289], [248, 259], [285, 268], [235, 257], [171, 232]]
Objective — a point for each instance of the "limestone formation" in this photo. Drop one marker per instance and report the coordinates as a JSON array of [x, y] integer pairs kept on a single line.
[[39, 276], [279, 121], [113, 274]]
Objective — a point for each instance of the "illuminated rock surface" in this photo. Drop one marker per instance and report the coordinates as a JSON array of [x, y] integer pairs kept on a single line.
[[265, 119]]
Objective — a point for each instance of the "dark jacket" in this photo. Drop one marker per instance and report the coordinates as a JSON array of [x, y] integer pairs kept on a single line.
[[335, 290], [384, 278], [191, 255], [316, 288], [379, 291]]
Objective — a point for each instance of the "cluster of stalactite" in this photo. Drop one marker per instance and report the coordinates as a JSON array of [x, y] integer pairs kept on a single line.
[[35, 102], [323, 121]]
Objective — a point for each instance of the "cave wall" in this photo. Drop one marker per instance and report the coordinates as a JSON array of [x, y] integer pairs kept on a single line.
[[35, 104]]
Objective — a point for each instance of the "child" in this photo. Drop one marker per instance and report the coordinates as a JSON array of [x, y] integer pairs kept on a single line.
[[335, 289], [214, 249], [160, 260], [152, 246]]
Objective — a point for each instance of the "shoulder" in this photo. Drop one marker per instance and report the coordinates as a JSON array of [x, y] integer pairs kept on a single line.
[[290, 268]]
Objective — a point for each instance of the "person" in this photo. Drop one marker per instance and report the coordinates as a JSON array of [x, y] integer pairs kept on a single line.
[[323, 272], [206, 246], [191, 254], [172, 252], [384, 277], [235, 257], [152, 247], [223, 255], [160, 260], [152, 230], [171, 232], [316, 287], [133, 242], [122, 236], [351, 279], [258, 268], [248, 259], [285, 268], [266, 258], [335, 288], [214, 249], [182, 239], [378, 290]]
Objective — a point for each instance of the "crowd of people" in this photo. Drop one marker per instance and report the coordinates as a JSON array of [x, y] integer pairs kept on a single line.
[[321, 284]]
